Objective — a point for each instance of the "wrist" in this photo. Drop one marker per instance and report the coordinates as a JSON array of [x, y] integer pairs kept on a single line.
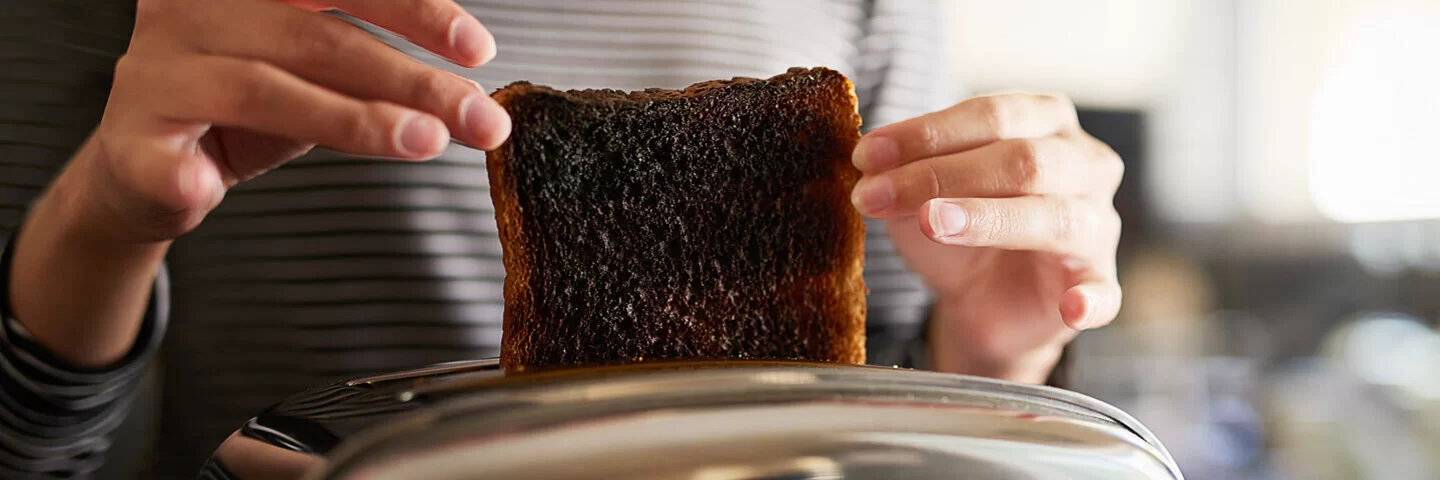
[[77, 284], [67, 221], [85, 206]]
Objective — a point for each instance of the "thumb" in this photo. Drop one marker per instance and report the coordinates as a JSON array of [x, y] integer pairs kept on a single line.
[[150, 191], [1092, 303]]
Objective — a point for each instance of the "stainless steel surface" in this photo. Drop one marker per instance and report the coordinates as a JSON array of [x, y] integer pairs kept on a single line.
[[725, 420], [807, 440], [437, 369]]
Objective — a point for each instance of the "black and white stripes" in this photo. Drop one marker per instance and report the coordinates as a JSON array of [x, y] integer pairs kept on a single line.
[[54, 417], [332, 266]]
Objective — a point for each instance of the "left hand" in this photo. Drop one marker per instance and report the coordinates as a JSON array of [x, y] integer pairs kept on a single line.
[[1003, 205]]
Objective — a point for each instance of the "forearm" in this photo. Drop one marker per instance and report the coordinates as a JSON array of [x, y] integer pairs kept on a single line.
[[58, 416], [955, 347], [78, 292]]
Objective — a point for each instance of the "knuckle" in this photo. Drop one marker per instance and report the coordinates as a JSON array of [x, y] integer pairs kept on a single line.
[[1117, 176], [1028, 167], [437, 12], [991, 112], [1063, 103], [930, 137], [367, 126], [1107, 165], [1116, 163], [1113, 164], [319, 38], [1113, 225], [1062, 98], [247, 88], [431, 85]]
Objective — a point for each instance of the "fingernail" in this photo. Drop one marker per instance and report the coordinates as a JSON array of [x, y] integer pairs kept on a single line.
[[421, 135], [876, 153], [873, 195], [947, 219], [483, 119], [471, 40]]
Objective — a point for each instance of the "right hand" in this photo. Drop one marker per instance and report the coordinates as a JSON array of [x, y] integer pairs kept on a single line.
[[212, 93]]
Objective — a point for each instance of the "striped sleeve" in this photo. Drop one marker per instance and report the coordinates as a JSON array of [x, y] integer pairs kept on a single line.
[[55, 417], [901, 69], [57, 60]]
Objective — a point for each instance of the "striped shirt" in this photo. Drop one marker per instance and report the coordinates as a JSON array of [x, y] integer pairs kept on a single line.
[[333, 266]]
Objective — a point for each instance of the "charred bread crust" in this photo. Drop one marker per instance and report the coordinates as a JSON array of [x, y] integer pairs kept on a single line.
[[712, 222]]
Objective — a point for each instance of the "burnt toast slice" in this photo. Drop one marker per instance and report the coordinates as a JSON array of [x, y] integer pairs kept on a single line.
[[707, 223]]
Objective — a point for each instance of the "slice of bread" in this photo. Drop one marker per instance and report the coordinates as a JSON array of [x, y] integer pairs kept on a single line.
[[703, 224]]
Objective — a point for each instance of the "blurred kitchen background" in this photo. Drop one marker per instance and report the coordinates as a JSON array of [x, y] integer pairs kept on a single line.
[[1282, 255]]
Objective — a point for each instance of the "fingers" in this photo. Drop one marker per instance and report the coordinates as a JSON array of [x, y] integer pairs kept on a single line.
[[1007, 168], [967, 125], [1062, 225], [263, 98], [1093, 303], [336, 55], [440, 26], [1012, 172]]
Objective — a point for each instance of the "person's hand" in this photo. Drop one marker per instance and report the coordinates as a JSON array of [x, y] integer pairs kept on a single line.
[[1004, 206], [211, 93], [214, 92]]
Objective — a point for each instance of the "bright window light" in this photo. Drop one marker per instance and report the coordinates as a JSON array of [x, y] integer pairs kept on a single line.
[[1375, 121]]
